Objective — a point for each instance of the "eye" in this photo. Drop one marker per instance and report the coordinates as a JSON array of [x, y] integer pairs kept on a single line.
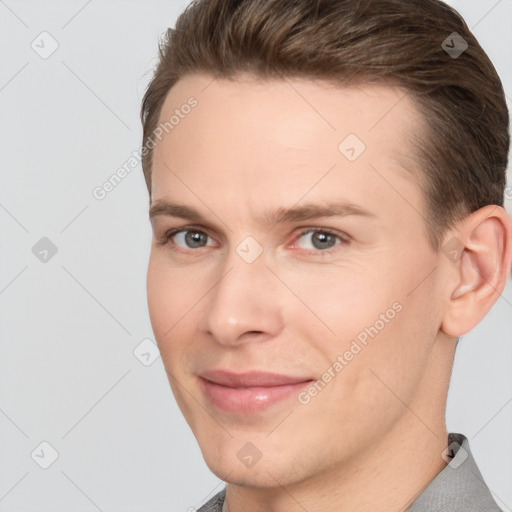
[[189, 238], [321, 240]]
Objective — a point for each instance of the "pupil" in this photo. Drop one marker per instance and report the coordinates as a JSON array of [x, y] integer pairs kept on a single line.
[[321, 238]]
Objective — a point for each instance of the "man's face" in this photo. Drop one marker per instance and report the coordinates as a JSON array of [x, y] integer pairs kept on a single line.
[[346, 301]]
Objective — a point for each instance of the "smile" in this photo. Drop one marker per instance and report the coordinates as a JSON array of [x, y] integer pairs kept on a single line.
[[249, 393]]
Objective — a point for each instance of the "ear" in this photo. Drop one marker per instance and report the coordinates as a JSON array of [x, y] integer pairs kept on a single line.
[[479, 258]]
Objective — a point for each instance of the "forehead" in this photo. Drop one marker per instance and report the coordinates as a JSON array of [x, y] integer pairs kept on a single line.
[[279, 136]]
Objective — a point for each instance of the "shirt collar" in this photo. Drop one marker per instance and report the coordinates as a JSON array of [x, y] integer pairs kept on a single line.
[[459, 487]]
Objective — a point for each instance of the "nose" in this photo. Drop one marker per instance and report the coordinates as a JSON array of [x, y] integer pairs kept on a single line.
[[245, 303]]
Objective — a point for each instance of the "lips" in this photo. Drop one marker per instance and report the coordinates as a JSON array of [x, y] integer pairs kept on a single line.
[[251, 392], [250, 379]]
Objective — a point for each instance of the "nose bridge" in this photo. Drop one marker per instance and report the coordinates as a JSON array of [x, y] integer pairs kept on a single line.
[[241, 301]]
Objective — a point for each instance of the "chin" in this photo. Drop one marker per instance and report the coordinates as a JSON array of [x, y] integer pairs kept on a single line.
[[263, 475], [230, 461]]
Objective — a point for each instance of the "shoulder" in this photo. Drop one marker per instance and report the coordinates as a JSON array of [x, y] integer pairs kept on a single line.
[[215, 503], [459, 487]]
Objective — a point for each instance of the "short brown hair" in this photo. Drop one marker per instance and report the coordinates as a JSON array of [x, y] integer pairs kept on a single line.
[[464, 148]]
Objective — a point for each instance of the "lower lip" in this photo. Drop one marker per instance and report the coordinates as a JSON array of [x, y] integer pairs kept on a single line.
[[248, 400]]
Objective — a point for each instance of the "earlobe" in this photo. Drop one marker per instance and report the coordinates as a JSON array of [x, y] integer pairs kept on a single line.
[[482, 270]]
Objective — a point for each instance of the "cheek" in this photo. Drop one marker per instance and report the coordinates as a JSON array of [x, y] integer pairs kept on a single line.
[[174, 301], [167, 302], [160, 299], [389, 369], [370, 318], [337, 305], [373, 379]]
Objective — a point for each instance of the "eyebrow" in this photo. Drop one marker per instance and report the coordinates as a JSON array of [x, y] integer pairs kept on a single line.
[[287, 215]]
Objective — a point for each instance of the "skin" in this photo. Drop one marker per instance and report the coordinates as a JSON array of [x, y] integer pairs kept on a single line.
[[373, 437]]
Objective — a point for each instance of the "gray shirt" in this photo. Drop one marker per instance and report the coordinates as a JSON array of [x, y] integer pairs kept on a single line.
[[459, 487]]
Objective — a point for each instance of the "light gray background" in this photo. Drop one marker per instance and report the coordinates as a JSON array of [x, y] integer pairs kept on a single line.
[[69, 326]]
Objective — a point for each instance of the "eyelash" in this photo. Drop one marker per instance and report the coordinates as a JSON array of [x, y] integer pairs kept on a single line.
[[343, 238]]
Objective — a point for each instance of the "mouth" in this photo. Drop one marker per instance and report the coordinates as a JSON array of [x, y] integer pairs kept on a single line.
[[251, 392]]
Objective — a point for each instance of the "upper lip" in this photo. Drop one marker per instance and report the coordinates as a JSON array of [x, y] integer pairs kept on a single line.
[[250, 379]]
